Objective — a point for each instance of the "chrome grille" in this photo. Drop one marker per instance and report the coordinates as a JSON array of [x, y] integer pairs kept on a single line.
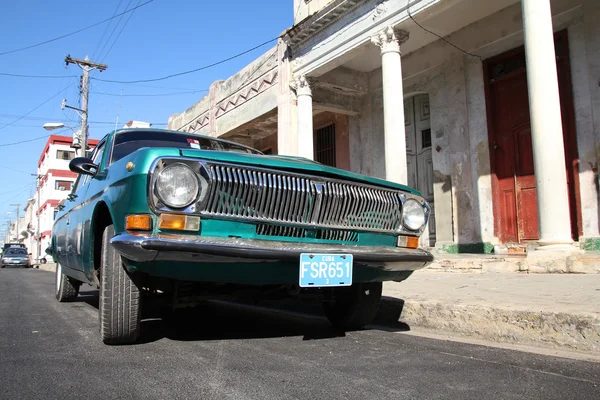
[[290, 231], [238, 192]]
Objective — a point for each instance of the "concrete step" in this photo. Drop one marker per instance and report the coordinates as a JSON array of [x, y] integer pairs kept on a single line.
[[548, 311], [576, 262]]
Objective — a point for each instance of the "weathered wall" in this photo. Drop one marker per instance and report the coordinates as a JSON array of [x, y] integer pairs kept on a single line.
[[231, 103], [454, 82]]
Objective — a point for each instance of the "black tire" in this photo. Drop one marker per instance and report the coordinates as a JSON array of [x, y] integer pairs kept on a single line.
[[43, 261], [67, 289], [120, 298], [355, 306]]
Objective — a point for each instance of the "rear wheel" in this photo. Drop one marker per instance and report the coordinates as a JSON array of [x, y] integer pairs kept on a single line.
[[120, 298], [67, 288], [355, 306]]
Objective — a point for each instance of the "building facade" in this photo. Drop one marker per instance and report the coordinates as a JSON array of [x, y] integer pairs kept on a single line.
[[490, 109], [55, 182]]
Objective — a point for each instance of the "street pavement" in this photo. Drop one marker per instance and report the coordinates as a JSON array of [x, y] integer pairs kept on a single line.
[[50, 350]]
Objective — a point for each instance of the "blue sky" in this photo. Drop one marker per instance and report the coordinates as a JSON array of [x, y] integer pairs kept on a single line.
[[161, 38]]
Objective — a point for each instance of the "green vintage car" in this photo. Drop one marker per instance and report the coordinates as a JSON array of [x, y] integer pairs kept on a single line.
[[159, 214]]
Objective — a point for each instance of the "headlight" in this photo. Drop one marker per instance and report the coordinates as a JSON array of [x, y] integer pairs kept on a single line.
[[177, 186], [413, 215]]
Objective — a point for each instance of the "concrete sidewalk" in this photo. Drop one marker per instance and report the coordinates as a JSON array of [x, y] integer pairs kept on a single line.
[[555, 311]]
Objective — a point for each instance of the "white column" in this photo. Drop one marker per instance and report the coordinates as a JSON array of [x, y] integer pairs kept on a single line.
[[305, 117], [546, 124], [393, 104]]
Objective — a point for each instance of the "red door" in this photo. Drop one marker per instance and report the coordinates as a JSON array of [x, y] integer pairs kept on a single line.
[[511, 151]]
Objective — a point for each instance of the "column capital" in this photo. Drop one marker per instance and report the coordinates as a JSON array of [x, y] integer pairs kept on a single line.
[[390, 39], [301, 85]]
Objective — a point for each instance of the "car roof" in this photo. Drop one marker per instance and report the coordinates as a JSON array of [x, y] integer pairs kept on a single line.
[[118, 131]]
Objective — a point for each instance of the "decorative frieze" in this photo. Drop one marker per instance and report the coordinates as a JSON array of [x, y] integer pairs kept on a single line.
[[243, 95]]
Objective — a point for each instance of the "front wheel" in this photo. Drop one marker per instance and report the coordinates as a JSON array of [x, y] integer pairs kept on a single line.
[[355, 306], [67, 288], [120, 298]]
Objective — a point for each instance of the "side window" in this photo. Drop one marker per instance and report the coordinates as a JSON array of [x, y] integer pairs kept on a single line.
[[96, 157]]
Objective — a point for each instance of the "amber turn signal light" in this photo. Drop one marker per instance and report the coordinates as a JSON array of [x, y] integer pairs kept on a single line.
[[138, 223], [412, 242], [179, 222]]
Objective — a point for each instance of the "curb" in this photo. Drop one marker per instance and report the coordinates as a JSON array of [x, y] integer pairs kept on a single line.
[[573, 332]]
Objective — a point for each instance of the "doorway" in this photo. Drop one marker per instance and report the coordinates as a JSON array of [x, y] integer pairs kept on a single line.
[[511, 150], [419, 161]]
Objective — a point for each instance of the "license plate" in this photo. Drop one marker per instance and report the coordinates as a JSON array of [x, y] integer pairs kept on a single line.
[[319, 270]]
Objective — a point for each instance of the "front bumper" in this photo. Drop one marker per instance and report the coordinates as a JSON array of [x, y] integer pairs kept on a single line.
[[9, 263], [188, 248]]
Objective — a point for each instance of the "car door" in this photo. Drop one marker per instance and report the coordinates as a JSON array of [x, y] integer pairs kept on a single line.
[[80, 213], [61, 230]]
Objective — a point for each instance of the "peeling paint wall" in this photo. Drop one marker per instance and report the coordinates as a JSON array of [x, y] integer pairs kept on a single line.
[[231, 103], [454, 82]]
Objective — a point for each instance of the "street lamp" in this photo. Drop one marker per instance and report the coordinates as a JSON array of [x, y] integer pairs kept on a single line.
[[51, 126], [39, 178]]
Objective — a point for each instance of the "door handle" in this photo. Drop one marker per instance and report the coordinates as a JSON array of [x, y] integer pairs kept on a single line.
[[68, 221]]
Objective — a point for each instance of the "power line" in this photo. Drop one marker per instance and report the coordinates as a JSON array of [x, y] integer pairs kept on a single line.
[[24, 141], [157, 87], [38, 76], [75, 32], [15, 170], [435, 34], [51, 118], [25, 115], [149, 95], [14, 190], [106, 30], [190, 71], [119, 35]]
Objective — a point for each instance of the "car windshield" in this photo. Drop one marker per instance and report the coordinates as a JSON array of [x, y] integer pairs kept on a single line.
[[129, 141], [14, 252]]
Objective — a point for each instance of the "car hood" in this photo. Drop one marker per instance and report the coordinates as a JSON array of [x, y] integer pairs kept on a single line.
[[292, 164]]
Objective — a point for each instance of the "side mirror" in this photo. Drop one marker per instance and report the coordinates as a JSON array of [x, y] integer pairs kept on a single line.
[[83, 165]]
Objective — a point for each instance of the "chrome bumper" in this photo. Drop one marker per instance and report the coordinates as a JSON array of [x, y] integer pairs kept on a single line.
[[171, 247]]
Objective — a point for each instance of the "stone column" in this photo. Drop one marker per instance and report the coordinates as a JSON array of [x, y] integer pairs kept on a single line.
[[546, 125], [305, 117], [389, 41]]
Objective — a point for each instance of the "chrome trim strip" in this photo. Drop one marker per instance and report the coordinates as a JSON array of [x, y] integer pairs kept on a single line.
[[173, 247]]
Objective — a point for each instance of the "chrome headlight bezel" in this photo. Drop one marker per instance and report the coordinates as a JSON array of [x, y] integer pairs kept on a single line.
[[157, 202], [414, 199]]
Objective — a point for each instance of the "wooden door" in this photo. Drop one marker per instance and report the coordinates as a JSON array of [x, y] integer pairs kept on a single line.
[[419, 159], [511, 151]]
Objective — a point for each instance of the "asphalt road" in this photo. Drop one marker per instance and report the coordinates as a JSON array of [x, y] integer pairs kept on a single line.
[[50, 350]]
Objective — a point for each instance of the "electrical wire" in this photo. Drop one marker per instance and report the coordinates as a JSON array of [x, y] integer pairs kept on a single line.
[[439, 36], [15, 170], [31, 140], [190, 71], [25, 115], [38, 76], [51, 118], [22, 188], [106, 30], [149, 95], [75, 32], [159, 87], [119, 35]]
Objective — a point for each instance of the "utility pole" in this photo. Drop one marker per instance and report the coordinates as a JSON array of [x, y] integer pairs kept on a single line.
[[17, 221], [38, 205], [86, 65]]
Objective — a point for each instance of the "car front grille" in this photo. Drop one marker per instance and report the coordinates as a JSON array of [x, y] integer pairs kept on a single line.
[[287, 199], [290, 231]]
